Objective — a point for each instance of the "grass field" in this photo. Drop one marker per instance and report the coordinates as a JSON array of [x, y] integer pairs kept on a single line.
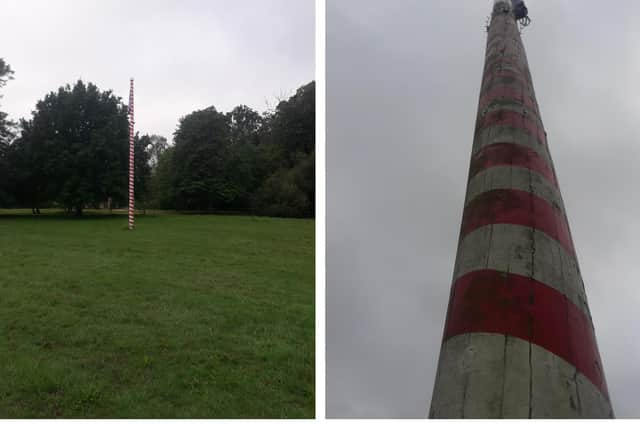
[[196, 316]]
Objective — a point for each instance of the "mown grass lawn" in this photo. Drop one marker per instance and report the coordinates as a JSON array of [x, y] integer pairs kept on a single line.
[[196, 316]]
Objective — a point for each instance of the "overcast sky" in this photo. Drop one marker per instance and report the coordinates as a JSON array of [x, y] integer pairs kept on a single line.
[[403, 79], [184, 55]]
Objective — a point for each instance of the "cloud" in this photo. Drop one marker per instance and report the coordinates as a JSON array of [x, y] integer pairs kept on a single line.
[[184, 55]]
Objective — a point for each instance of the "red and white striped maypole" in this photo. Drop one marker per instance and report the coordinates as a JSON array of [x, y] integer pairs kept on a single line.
[[131, 158], [518, 339]]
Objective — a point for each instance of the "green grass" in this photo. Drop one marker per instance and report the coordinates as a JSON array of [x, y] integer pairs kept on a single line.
[[188, 316]]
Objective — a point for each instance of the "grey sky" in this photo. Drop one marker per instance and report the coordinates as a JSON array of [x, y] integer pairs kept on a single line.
[[403, 79], [184, 55]]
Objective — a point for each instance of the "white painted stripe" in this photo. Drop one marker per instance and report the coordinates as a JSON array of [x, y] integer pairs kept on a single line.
[[482, 375], [490, 68], [503, 133], [517, 88], [510, 47], [489, 79], [525, 251], [517, 102], [505, 62], [518, 178], [512, 105]]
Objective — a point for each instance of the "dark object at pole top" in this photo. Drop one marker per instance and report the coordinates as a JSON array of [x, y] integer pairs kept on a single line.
[[519, 9]]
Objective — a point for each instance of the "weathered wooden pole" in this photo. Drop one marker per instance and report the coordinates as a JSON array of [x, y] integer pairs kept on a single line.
[[518, 339], [131, 160]]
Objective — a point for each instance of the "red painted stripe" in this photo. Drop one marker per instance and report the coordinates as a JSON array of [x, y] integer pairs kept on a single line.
[[509, 36], [507, 92], [510, 52], [510, 206], [506, 153], [497, 66], [507, 49], [503, 303], [513, 119], [505, 60], [493, 56], [490, 78], [499, 39]]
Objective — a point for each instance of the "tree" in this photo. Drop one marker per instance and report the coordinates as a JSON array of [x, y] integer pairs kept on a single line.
[[279, 196], [31, 165], [6, 73], [163, 181], [76, 146], [142, 168], [6, 196], [6, 131], [157, 145], [6, 134], [293, 125], [242, 160], [201, 143], [289, 153], [244, 125]]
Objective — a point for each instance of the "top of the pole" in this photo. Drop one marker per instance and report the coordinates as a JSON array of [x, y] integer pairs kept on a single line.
[[501, 7], [516, 8], [130, 106]]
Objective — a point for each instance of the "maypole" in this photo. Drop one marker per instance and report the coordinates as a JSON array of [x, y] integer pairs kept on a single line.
[[131, 158], [518, 339]]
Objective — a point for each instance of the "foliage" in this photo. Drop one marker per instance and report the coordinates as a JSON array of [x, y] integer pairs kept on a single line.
[[201, 145], [290, 149], [242, 161], [6, 73], [293, 124], [289, 192], [6, 134], [162, 179], [157, 145], [142, 148], [6, 131], [74, 149], [244, 125], [73, 153]]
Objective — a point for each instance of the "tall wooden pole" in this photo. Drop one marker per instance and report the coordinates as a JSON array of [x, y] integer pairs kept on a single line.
[[131, 159], [518, 339]]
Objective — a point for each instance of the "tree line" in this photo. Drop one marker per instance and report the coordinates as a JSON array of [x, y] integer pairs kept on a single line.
[[73, 153]]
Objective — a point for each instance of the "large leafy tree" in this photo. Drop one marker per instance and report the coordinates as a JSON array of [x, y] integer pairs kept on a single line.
[[245, 167], [201, 145], [244, 125], [289, 152], [6, 74], [242, 160], [163, 180], [6, 134], [75, 148], [31, 168], [142, 146], [293, 125], [156, 146]]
